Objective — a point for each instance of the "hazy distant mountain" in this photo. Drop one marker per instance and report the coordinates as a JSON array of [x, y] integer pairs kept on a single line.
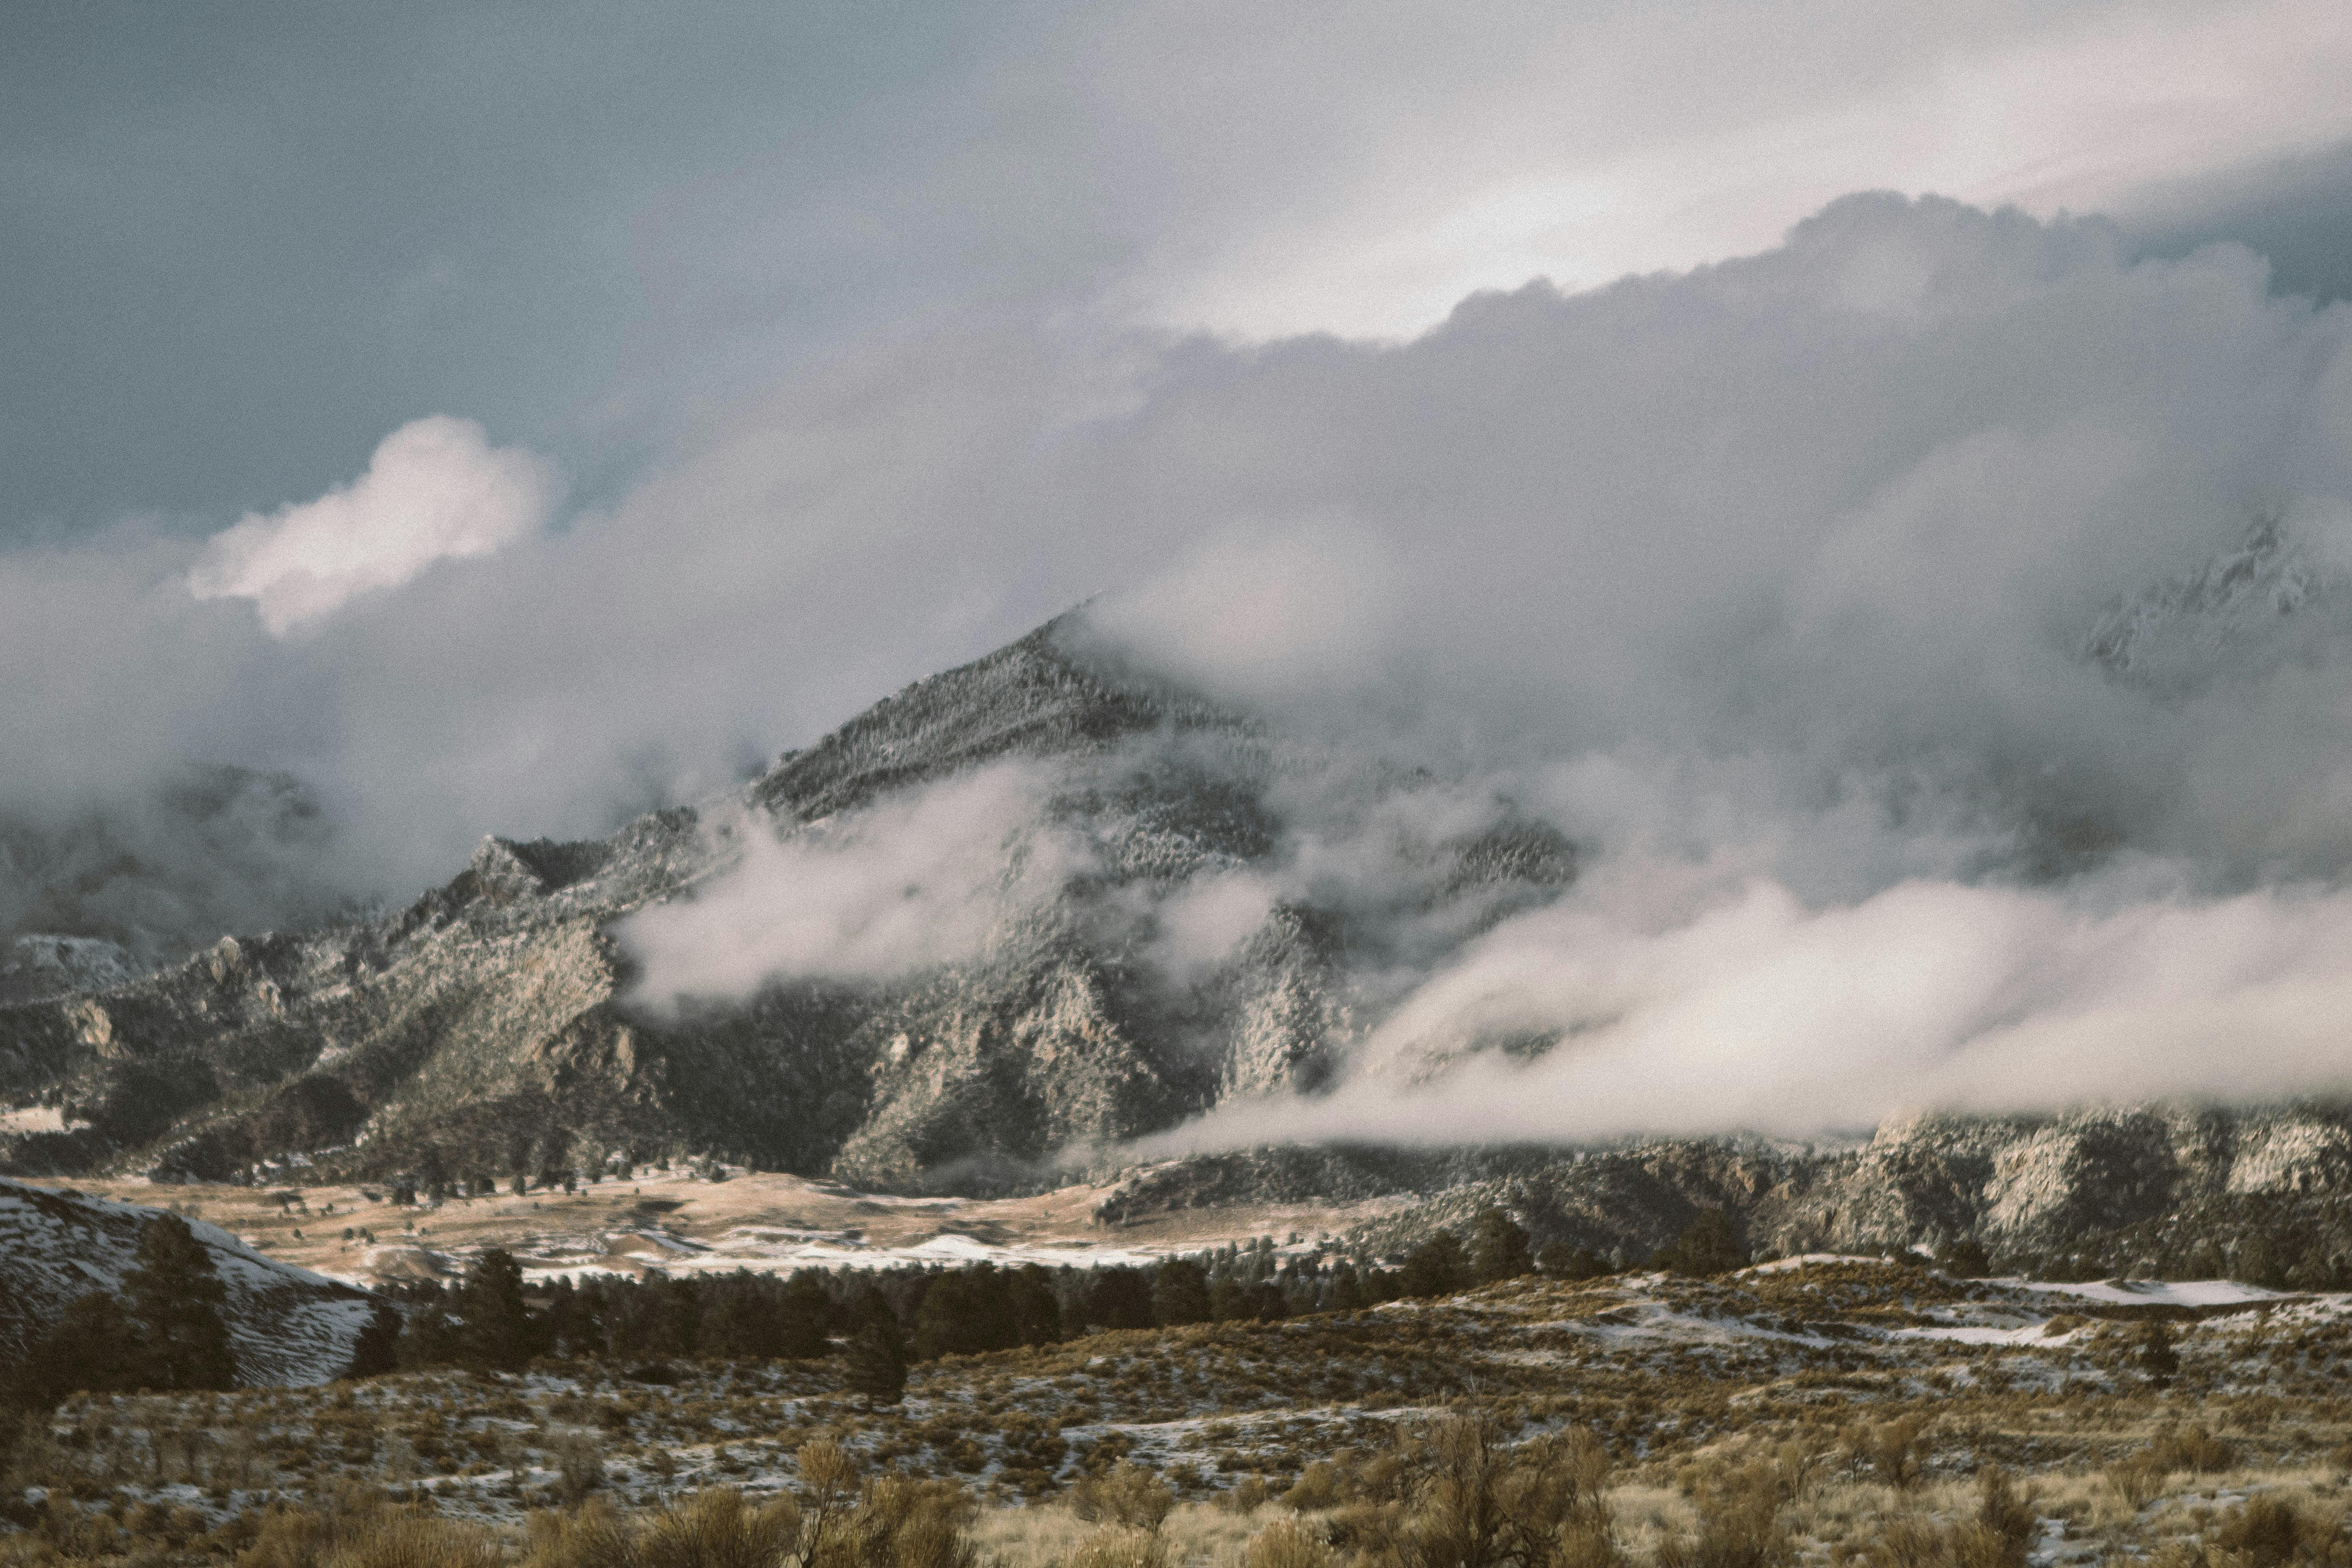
[[157, 866], [2243, 612]]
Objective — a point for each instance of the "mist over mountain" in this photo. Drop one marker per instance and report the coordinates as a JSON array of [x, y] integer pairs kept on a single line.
[[1900, 670]]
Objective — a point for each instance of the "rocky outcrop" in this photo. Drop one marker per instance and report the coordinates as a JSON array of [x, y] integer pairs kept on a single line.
[[2146, 1189]]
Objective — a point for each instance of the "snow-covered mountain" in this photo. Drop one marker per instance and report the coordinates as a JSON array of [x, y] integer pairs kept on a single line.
[[1024, 908], [1101, 967]]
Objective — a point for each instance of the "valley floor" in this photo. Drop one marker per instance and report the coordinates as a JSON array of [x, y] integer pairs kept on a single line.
[[1876, 1391], [678, 1222]]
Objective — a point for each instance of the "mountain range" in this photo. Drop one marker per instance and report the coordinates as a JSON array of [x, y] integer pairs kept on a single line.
[[1105, 961]]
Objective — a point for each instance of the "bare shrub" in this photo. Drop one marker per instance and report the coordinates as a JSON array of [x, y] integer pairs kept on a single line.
[[1320, 1485], [592, 1536], [2137, 1480], [2008, 1517], [828, 1475], [579, 1466], [2267, 1531], [716, 1529], [1245, 1496], [1128, 1496], [1121, 1549], [2196, 1450], [1999, 1536], [903, 1522], [1741, 1522], [1286, 1543], [1889, 1450], [404, 1538], [1472, 1502]]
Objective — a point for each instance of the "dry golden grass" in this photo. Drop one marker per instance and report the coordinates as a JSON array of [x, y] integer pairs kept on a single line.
[[1195, 1535], [1800, 1372]]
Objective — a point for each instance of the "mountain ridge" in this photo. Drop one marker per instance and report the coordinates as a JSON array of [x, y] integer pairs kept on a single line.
[[501, 1026]]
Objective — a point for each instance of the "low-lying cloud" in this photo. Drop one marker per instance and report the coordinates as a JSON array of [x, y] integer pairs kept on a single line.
[[1766, 1014], [1933, 633], [913, 884]]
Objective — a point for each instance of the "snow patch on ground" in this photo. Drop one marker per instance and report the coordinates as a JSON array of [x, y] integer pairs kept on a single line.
[[773, 1249], [2159, 1292], [36, 1118]]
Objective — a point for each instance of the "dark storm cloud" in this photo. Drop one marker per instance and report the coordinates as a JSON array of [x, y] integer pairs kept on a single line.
[[2294, 211], [243, 242]]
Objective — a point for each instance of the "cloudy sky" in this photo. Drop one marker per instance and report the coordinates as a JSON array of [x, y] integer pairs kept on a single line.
[[506, 417]]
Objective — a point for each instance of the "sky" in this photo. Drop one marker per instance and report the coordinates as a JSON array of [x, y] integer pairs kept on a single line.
[[246, 243], [1798, 445]]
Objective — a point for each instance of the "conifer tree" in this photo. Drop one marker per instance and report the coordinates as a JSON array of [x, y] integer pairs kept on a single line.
[[2204, 1262], [377, 1349], [877, 1350], [965, 1311], [2257, 1263], [2157, 1356], [1180, 1293], [1345, 1294], [1965, 1260], [1036, 1315], [1119, 1299], [93, 1347], [1707, 1246], [802, 1318], [1436, 1267], [1498, 1247], [496, 1331], [428, 1339], [1563, 1261], [176, 1298]]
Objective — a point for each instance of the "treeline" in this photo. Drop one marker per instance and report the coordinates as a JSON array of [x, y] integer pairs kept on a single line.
[[886, 1319], [2277, 1252]]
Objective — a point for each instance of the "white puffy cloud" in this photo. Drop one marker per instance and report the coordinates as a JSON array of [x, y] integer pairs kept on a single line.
[[435, 490]]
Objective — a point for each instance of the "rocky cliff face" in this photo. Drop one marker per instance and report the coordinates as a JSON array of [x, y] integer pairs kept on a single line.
[[2146, 1189]]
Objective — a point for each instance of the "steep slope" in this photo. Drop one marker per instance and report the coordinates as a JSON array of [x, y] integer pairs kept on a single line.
[[492, 1029], [1148, 949], [286, 1325]]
